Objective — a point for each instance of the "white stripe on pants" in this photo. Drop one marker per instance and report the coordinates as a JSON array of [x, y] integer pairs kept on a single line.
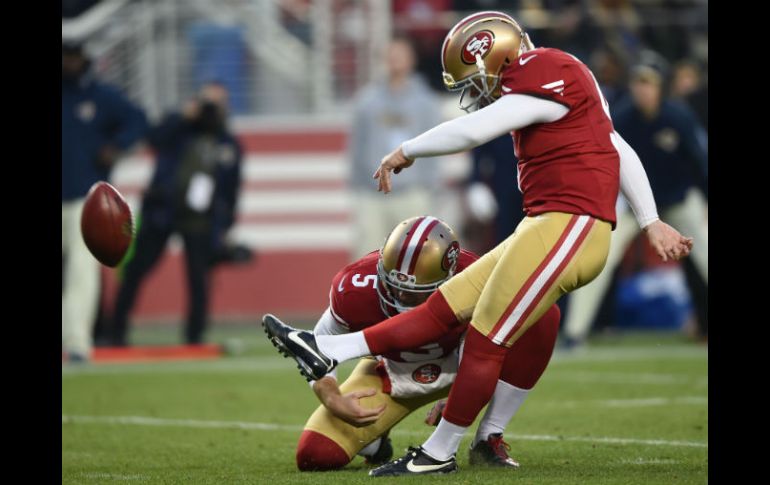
[[688, 217], [80, 292]]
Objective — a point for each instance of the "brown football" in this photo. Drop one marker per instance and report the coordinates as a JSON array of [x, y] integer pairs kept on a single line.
[[106, 224]]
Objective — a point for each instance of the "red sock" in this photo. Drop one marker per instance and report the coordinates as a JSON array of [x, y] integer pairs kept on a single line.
[[424, 324], [476, 378], [527, 359], [316, 452]]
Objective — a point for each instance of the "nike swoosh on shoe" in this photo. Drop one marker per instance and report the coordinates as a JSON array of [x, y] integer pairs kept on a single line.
[[412, 467]]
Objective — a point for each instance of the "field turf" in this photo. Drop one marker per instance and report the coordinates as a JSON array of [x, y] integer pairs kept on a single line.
[[630, 409]]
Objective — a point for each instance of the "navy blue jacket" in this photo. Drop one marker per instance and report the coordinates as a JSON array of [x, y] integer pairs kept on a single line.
[[169, 139], [673, 148], [494, 163], [93, 115]]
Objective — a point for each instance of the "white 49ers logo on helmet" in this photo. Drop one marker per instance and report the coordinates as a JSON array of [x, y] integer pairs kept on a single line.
[[449, 261], [479, 44]]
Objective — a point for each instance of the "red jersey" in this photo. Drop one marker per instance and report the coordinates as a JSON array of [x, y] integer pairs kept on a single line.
[[355, 305], [569, 165]]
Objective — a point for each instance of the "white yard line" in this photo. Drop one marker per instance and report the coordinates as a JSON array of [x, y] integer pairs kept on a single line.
[[631, 353], [194, 423], [633, 378], [655, 401], [631, 403], [115, 476], [648, 461], [245, 364], [555, 370], [258, 365], [277, 363]]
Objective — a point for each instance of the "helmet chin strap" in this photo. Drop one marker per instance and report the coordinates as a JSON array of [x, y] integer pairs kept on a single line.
[[484, 92], [483, 70], [526, 44]]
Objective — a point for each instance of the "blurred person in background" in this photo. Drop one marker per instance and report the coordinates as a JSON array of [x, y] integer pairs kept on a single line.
[[673, 148], [569, 27], [610, 68], [494, 205], [421, 21], [401, 105], [98, 124], [669, 25], [688, 85], [617, 24], [193, 193]]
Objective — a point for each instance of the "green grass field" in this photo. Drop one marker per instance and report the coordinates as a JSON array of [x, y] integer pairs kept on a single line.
[[628, 410]]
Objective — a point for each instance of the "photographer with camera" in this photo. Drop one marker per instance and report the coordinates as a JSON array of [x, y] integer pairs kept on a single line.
[[193, 193]]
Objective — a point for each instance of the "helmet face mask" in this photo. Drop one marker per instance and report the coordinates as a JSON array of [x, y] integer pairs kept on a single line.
[[477, 91], [401, 296], [418, 256]]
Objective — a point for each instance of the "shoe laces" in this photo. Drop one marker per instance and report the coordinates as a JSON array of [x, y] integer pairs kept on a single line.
[[411, 452], [499, 446]]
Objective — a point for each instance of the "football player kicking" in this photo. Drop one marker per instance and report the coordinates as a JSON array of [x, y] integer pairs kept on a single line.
[[572, 163], [357, 416]]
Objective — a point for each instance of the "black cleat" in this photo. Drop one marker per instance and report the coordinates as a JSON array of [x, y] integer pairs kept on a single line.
[[415, 462], [300, 345], [492, 452], [383, 454]]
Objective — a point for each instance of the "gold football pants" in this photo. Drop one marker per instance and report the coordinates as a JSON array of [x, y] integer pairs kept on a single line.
[[508, 289], [353, 439]]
